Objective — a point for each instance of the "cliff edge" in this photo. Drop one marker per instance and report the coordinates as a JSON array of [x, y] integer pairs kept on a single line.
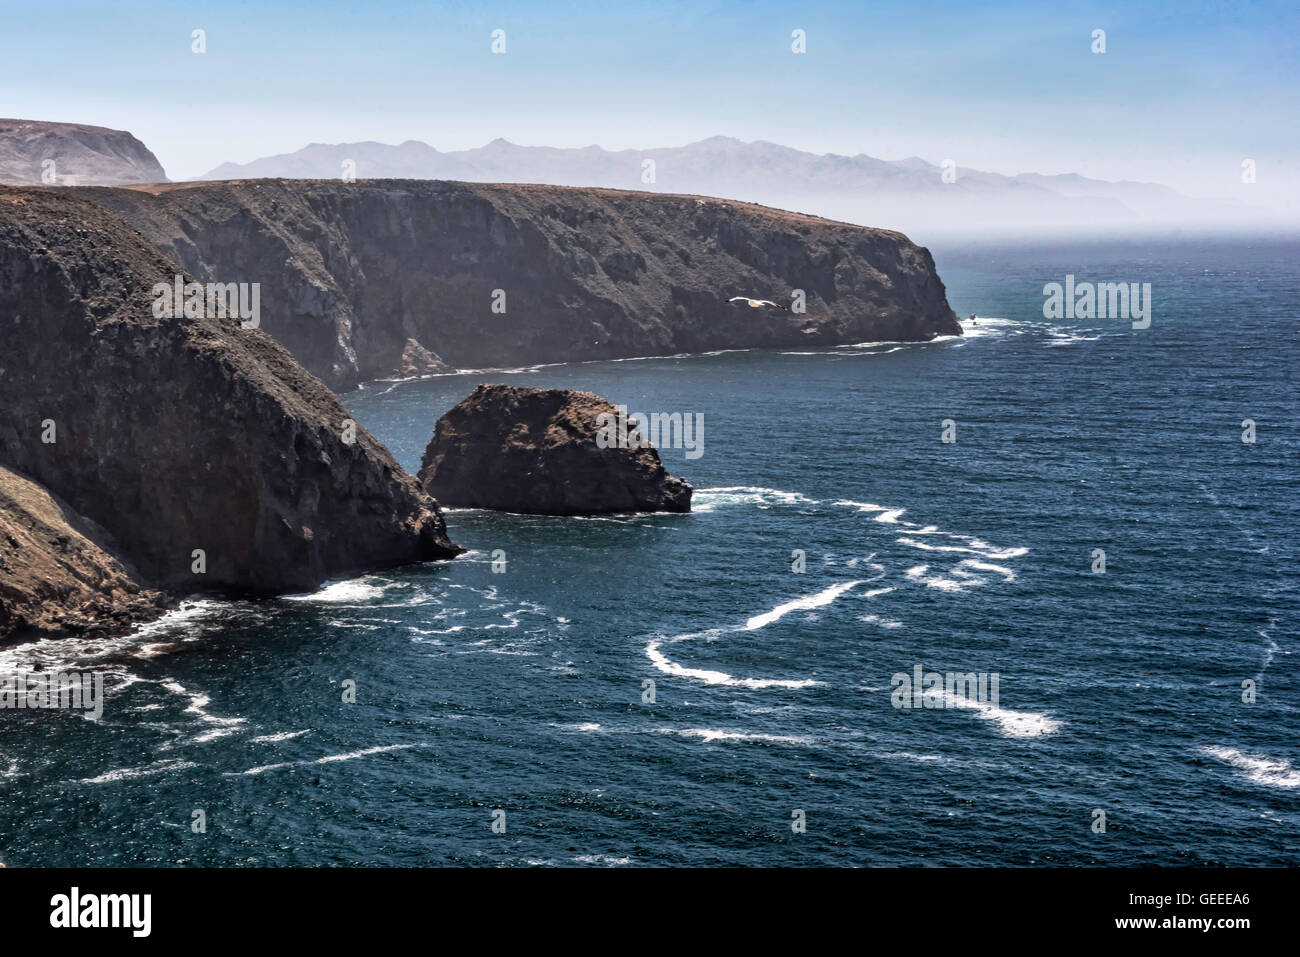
[[500, 275], [213, 460]]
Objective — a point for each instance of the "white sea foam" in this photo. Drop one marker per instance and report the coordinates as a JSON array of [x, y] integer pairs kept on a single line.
[[669, 667], [198, 704], [212, 735], [148, 770], [62, 654], [985, 327], [278, 736], [710, 735], [818, 600], [708, 499], [1258, 768], [860, 506], [918, 574], [866, 349], [986, 551], [881, 621], [1006, 573], [351, 591], [912, 756], [1013, 724], [965, 574], [960, 577], [328, 759]]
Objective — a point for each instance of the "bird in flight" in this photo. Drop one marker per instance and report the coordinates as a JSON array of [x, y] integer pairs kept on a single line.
[[757, 303]]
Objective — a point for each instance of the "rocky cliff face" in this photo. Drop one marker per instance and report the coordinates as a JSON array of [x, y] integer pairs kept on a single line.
[[58, 570], [73, 154], [538, 451], [504, 275], [183, 435]]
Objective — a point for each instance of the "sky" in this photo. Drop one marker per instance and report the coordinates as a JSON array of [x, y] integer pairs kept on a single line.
[[1184, 93]]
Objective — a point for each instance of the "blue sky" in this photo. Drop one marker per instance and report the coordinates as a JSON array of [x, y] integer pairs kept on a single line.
[[1182, 95]]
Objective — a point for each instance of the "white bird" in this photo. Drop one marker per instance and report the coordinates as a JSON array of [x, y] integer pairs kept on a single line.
[[757, 303]]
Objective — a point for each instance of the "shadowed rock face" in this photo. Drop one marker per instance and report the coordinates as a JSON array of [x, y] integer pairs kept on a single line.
[[82, 155], [352, 273], [182, 434], [58, 571], [536, 451]]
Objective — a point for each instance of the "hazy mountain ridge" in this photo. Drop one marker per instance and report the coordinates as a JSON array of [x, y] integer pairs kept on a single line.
[[902, 194]]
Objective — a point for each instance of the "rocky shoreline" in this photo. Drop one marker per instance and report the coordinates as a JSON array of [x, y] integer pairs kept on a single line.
[[214, 462], [149, 454]]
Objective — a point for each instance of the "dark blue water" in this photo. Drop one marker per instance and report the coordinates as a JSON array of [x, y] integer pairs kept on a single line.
[[523, 690]]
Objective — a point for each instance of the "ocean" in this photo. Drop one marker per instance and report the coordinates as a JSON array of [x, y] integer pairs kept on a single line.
[[718, 688]]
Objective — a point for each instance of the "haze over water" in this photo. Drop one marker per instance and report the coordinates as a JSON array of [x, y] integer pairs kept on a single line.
[[523, 691]]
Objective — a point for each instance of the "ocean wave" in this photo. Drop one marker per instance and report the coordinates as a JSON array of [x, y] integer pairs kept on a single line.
[[708, 499], [860, 506], [712, 735], [866, 349], [327, 759], [817, 600], [278, 736], [198, 704], [148, 770], [959, 577], [1258, 768], [1012, 724], [670, 667], [352, 591], [986, 551], [64, 654], [881, 621], [988, 326]]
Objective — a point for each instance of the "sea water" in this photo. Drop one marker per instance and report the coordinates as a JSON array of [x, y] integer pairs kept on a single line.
[[715, 688]]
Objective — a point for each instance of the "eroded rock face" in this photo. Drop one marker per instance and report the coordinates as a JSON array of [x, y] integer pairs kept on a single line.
[[73, 154], [537, 451], [419, 361], [489, 275], [59, 572], [188, 434]]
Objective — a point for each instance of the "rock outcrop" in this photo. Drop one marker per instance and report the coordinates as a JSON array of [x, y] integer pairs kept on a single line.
[[73, 154], [214, 460], [490, 276], [537, 451], [59, 572]]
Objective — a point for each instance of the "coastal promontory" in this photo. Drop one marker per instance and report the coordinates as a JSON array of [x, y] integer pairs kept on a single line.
[[213, 460], [362, 280]]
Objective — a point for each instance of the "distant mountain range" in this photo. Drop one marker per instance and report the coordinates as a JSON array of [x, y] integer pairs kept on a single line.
[[902, 194], [909, 195]]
